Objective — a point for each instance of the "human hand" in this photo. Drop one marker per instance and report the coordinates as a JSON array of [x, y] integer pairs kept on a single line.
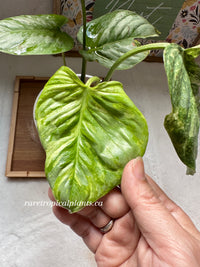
[[149, 229]]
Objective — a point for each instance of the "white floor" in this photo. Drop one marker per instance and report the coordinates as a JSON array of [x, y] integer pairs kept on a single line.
[[32, 236]]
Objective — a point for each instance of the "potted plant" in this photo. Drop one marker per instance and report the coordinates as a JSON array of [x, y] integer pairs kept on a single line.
[[91, 129]]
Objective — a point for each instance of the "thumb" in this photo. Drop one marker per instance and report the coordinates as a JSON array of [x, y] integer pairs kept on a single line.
[[155, 222]]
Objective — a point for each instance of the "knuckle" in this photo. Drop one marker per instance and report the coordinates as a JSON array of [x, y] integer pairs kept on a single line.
[[81, 231], [92, 214], [147, 197]]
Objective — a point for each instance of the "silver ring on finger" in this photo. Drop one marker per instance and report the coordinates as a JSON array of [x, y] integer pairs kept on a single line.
[[107, 227]]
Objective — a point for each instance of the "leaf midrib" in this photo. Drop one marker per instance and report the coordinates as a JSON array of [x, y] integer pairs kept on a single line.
[[120, 40], [82, 110]]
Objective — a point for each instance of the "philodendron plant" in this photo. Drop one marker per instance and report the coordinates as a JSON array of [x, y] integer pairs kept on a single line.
[[91, 130]]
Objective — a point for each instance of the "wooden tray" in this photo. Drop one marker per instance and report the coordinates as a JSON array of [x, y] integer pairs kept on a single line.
[[25, 156]]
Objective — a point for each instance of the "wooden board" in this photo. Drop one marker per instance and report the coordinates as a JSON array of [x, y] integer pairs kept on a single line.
[[25, 156]]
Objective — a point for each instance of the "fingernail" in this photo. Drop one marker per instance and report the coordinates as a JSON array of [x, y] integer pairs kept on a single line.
[[138, 169]]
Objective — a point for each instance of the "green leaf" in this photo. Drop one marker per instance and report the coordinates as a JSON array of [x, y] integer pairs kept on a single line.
[[182, 124], [193, 51], [34, 35], [193, 70], [110, 36], [89, 134], [109, 54]]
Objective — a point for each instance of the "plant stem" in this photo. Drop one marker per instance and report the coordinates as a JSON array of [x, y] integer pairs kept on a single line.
[[83, 72], [143, 48], [92, 80], [64, 60]]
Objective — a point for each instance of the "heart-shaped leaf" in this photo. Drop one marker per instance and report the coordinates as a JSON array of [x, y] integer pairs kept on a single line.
[[34, 35], [89, 134], [106, 42], [182, 124]]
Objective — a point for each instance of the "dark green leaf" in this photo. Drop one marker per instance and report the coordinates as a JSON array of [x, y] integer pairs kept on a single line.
[[106, 42], [89, 134], [34, 35], [109, 54], [194, 73], [193, 70], [182, 124]]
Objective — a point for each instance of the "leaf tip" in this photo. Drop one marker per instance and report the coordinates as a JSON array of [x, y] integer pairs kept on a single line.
[[190, 171]]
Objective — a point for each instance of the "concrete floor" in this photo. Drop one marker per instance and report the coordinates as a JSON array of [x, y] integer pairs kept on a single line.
[[32, 236]]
